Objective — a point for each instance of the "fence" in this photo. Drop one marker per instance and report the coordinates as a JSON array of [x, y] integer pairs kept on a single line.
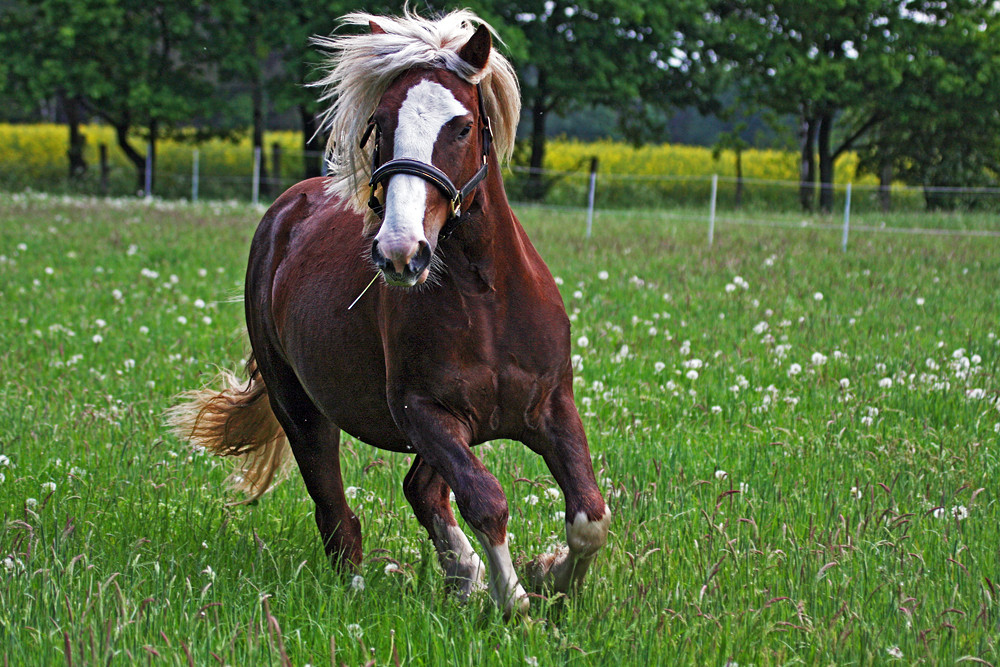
[[732, 201], [715, 200]]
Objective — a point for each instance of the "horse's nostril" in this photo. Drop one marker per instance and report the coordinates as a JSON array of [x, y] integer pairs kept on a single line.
[[380, 260], [421, 259]]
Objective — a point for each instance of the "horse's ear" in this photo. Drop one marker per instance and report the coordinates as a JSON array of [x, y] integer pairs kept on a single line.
[[376, 28], [476, 51]]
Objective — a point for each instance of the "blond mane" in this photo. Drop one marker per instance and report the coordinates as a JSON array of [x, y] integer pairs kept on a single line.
[[361, 67]]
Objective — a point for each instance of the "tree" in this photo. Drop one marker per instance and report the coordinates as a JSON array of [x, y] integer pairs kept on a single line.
[[942, 124], [813, 60], [46, 49], [611, 52]]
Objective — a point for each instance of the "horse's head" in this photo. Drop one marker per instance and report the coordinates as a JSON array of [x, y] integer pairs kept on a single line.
[[413, 167], [433, 141]]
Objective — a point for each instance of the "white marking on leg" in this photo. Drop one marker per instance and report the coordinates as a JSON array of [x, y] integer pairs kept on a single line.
[[504, 585], [564, 569], [584, 536], [460, 562], [426, 109]]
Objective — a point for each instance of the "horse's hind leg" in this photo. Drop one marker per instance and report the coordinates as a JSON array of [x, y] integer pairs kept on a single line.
[[563, 444], [428, 494], [315, 443]]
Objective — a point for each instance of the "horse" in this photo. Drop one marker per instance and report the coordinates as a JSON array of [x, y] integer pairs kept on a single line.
[[463, 340]]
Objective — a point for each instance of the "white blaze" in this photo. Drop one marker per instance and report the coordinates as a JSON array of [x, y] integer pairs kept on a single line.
[[427, 107]]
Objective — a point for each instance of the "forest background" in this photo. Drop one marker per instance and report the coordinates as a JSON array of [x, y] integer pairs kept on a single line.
[[905, 91]]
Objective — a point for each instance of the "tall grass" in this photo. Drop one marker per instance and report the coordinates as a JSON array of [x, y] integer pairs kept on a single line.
[[799, 447]]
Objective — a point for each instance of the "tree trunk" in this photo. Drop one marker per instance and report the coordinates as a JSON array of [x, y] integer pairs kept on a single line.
[[807, 164], [313, 144], [137, 159], [536, 187], [825, 163], [154, 131], [77, 140], [884, 185]]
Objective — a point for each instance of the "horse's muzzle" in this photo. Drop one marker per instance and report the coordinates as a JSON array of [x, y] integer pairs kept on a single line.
[[402, 270]]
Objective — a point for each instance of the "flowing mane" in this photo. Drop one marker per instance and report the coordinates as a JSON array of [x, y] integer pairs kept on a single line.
[[361, 67]]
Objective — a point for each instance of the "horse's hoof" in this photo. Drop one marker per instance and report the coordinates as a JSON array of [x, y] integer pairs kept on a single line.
[[464, 587], [544, 572], [517, 607]]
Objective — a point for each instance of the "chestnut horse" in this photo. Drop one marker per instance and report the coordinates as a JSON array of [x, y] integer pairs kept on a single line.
[[464, 339]]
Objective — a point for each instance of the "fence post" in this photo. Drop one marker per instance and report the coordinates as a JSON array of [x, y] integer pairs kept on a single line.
[[847, 218], [255, 189], [711, 209], [194, 175], [590, 195], [149, 170]]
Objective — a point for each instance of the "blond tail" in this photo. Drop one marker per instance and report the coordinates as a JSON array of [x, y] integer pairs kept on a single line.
[[236, 421]]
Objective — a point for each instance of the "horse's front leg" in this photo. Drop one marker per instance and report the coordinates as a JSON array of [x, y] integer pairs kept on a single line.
[[563, 444], [442, 441]]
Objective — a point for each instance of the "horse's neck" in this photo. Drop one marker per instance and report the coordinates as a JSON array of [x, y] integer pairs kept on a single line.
[[493, 242]]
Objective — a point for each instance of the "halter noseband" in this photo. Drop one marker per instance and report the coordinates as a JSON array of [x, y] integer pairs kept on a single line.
[[429, 172]]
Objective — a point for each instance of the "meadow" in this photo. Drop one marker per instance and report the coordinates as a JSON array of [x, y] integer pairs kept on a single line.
[[799, 447]]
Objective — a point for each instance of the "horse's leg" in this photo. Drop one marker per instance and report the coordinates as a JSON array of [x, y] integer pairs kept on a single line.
[[442, 441], [315, 443], [428, 494], [563, 444]]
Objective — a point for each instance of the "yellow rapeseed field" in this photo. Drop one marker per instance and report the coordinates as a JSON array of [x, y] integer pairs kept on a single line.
[[653, 175]]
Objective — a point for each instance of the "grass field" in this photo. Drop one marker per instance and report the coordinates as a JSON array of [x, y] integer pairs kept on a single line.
[[799, 447]]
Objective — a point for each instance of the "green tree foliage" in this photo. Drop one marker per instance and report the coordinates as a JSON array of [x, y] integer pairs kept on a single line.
[[136, 64], [941, 122], [811, 59], [912, 84], [624, 55]]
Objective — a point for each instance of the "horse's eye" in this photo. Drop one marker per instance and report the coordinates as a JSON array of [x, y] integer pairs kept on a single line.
[[465, 131]]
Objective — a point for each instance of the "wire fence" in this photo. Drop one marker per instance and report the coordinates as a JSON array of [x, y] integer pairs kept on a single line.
[[716, 200]]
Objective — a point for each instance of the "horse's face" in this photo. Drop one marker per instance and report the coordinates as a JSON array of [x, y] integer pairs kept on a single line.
[[429, 116]]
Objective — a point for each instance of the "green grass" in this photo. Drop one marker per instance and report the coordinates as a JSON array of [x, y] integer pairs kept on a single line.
[[851, 522]]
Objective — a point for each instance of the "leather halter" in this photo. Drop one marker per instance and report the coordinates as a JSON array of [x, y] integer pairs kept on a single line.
[[429, 172]]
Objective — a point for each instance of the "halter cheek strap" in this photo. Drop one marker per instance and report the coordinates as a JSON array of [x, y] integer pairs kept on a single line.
[[428, 172]]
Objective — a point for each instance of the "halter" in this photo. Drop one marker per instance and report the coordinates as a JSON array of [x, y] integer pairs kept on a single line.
[[428, 172]]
